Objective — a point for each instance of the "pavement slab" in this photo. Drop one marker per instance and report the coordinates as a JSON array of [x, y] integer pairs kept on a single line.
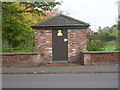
[[61, 69]]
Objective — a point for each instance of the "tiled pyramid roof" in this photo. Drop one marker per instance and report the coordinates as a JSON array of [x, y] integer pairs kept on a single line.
[[61, 20]]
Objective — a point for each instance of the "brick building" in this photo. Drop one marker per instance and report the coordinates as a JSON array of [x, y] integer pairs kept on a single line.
[[61, 38]]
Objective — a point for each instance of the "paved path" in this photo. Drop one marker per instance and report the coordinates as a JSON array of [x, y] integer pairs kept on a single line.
[[61, 81], [62, 69]]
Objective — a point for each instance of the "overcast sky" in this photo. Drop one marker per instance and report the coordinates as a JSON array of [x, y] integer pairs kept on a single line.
[[96, 12]]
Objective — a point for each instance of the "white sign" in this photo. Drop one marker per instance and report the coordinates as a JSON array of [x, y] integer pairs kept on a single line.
[[59, 34], [65, 40]]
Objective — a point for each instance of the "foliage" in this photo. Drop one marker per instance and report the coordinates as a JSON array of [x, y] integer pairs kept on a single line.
[[15, 27], [107, 36], [17, 19], [110, 46], [18, 49], [31, 7], [99, 40], [95, 43]]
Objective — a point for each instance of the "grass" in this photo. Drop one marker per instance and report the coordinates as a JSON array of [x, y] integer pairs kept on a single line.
[[17, 50], [5, 50], [110, 46]]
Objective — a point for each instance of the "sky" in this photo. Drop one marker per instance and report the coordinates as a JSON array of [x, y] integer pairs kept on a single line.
[[95, 12]]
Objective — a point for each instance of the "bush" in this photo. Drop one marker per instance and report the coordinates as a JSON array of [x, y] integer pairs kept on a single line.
[[95, 45]]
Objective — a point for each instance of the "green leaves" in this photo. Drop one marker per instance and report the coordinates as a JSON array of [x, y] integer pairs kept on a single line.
[[16, 21], [95, 42], [99, 40], [29, 7]]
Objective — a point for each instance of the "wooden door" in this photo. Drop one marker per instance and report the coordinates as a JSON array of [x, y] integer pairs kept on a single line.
[[59, 45]]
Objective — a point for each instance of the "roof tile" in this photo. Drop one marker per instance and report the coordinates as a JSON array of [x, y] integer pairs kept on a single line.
[[62, 20]]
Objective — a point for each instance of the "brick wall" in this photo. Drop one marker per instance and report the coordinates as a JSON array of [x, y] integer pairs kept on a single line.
[[21, 59], [34, 59], [76, 42], [44, 40], [101, 57]]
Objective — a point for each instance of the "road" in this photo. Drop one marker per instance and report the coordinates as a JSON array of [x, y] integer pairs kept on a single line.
[[61, 81]]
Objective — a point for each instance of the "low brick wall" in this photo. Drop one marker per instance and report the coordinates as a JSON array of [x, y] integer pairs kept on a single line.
[[91, 58], [34, 59], [21, 59]]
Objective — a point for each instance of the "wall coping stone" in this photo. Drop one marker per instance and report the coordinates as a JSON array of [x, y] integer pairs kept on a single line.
[[21, 53], [99, 52]]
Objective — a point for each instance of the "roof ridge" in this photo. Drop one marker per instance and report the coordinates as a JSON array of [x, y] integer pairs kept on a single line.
[[74, 19], [47, 19]]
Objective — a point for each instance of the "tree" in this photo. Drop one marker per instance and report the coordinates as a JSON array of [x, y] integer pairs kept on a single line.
[[115, 30], [17, 19], [31, 7], [95, 42], [99, 29], [104, 38]]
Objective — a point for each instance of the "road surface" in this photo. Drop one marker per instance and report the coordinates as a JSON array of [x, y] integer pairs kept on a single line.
[[60, 81]]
